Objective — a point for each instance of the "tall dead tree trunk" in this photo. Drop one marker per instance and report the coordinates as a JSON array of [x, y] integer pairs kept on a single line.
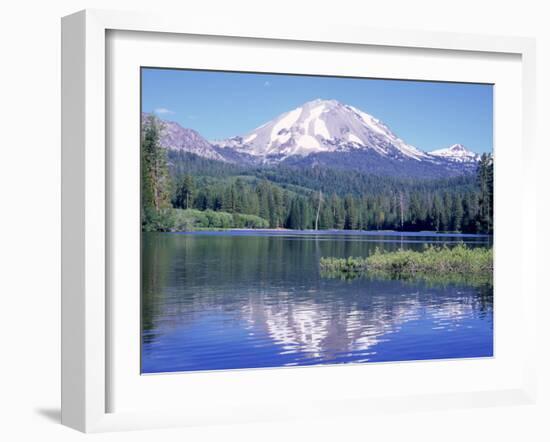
[[318, 211], [401, 207]]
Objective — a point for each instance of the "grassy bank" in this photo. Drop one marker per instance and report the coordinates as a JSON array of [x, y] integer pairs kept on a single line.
[[434, 264], [185, 220]]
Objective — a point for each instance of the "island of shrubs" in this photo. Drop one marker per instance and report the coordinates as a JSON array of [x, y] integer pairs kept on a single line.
[[453, 263]]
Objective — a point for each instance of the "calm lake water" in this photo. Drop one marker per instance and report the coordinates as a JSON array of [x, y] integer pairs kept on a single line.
[[227, 300]]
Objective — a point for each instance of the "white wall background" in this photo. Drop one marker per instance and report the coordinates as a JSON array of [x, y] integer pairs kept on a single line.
[[30, 219]]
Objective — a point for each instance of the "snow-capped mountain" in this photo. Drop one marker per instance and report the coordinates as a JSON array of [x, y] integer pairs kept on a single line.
[[321, 126], [325, 133], [457, 153]]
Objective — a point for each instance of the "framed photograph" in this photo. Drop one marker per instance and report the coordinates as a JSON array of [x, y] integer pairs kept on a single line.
[[263, 223]]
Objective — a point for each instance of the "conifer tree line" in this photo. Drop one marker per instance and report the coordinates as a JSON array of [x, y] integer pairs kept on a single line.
[[312, 198], [156, 183]]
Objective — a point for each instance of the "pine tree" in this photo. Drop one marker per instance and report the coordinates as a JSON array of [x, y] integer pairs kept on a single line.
[[350, 200], [457, 213], [277, 206], [416, 213], [439, 216], [351, 213], [185, 193], [485, 183], [306, 214], [295, 216], [228, 202], [263, 197], [239, 196], [338, 212], [155, 179], [318, 214]]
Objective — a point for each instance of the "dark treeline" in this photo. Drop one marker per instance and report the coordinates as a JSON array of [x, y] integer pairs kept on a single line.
[[321, 198]]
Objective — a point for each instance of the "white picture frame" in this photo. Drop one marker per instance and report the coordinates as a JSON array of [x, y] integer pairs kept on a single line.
[[86, 215]]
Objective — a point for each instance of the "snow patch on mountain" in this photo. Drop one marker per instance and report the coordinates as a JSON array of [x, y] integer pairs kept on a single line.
[[327, 133], [280, 129], [353, 139], [384, 132], [250, 138], [314, 123], [456, 153], [308, 143], [322, 126]]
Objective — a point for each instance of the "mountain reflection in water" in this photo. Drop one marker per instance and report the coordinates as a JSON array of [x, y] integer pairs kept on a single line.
[[243, 300]]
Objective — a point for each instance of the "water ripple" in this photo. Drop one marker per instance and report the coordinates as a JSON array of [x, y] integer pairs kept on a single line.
[[205, 308]]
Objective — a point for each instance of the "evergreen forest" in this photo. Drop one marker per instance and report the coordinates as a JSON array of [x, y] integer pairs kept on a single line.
[[181, 191]]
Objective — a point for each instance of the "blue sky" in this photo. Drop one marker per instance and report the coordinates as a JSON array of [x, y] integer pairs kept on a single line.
[[428, 115]]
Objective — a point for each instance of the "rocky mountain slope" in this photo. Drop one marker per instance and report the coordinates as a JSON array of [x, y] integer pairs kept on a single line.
[[330, 134]]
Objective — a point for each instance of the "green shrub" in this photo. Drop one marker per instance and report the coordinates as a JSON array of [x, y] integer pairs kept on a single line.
[[182, 220], [439, 260], [435, 264]]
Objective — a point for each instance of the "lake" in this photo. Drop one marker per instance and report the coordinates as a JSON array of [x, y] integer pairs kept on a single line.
[[248, 299]]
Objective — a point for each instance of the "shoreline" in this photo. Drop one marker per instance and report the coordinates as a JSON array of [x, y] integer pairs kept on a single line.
[[283, 231]]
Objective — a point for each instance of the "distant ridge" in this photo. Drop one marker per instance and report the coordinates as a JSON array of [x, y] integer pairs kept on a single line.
[[325, 133]]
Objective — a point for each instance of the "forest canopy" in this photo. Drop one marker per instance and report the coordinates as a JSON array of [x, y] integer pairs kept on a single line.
[[182, 191]]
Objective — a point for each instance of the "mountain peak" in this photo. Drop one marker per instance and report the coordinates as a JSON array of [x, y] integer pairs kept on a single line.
[[173, 136], [321, 101], [458, 148], [457, 153], [319, 126], [329, 133]]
